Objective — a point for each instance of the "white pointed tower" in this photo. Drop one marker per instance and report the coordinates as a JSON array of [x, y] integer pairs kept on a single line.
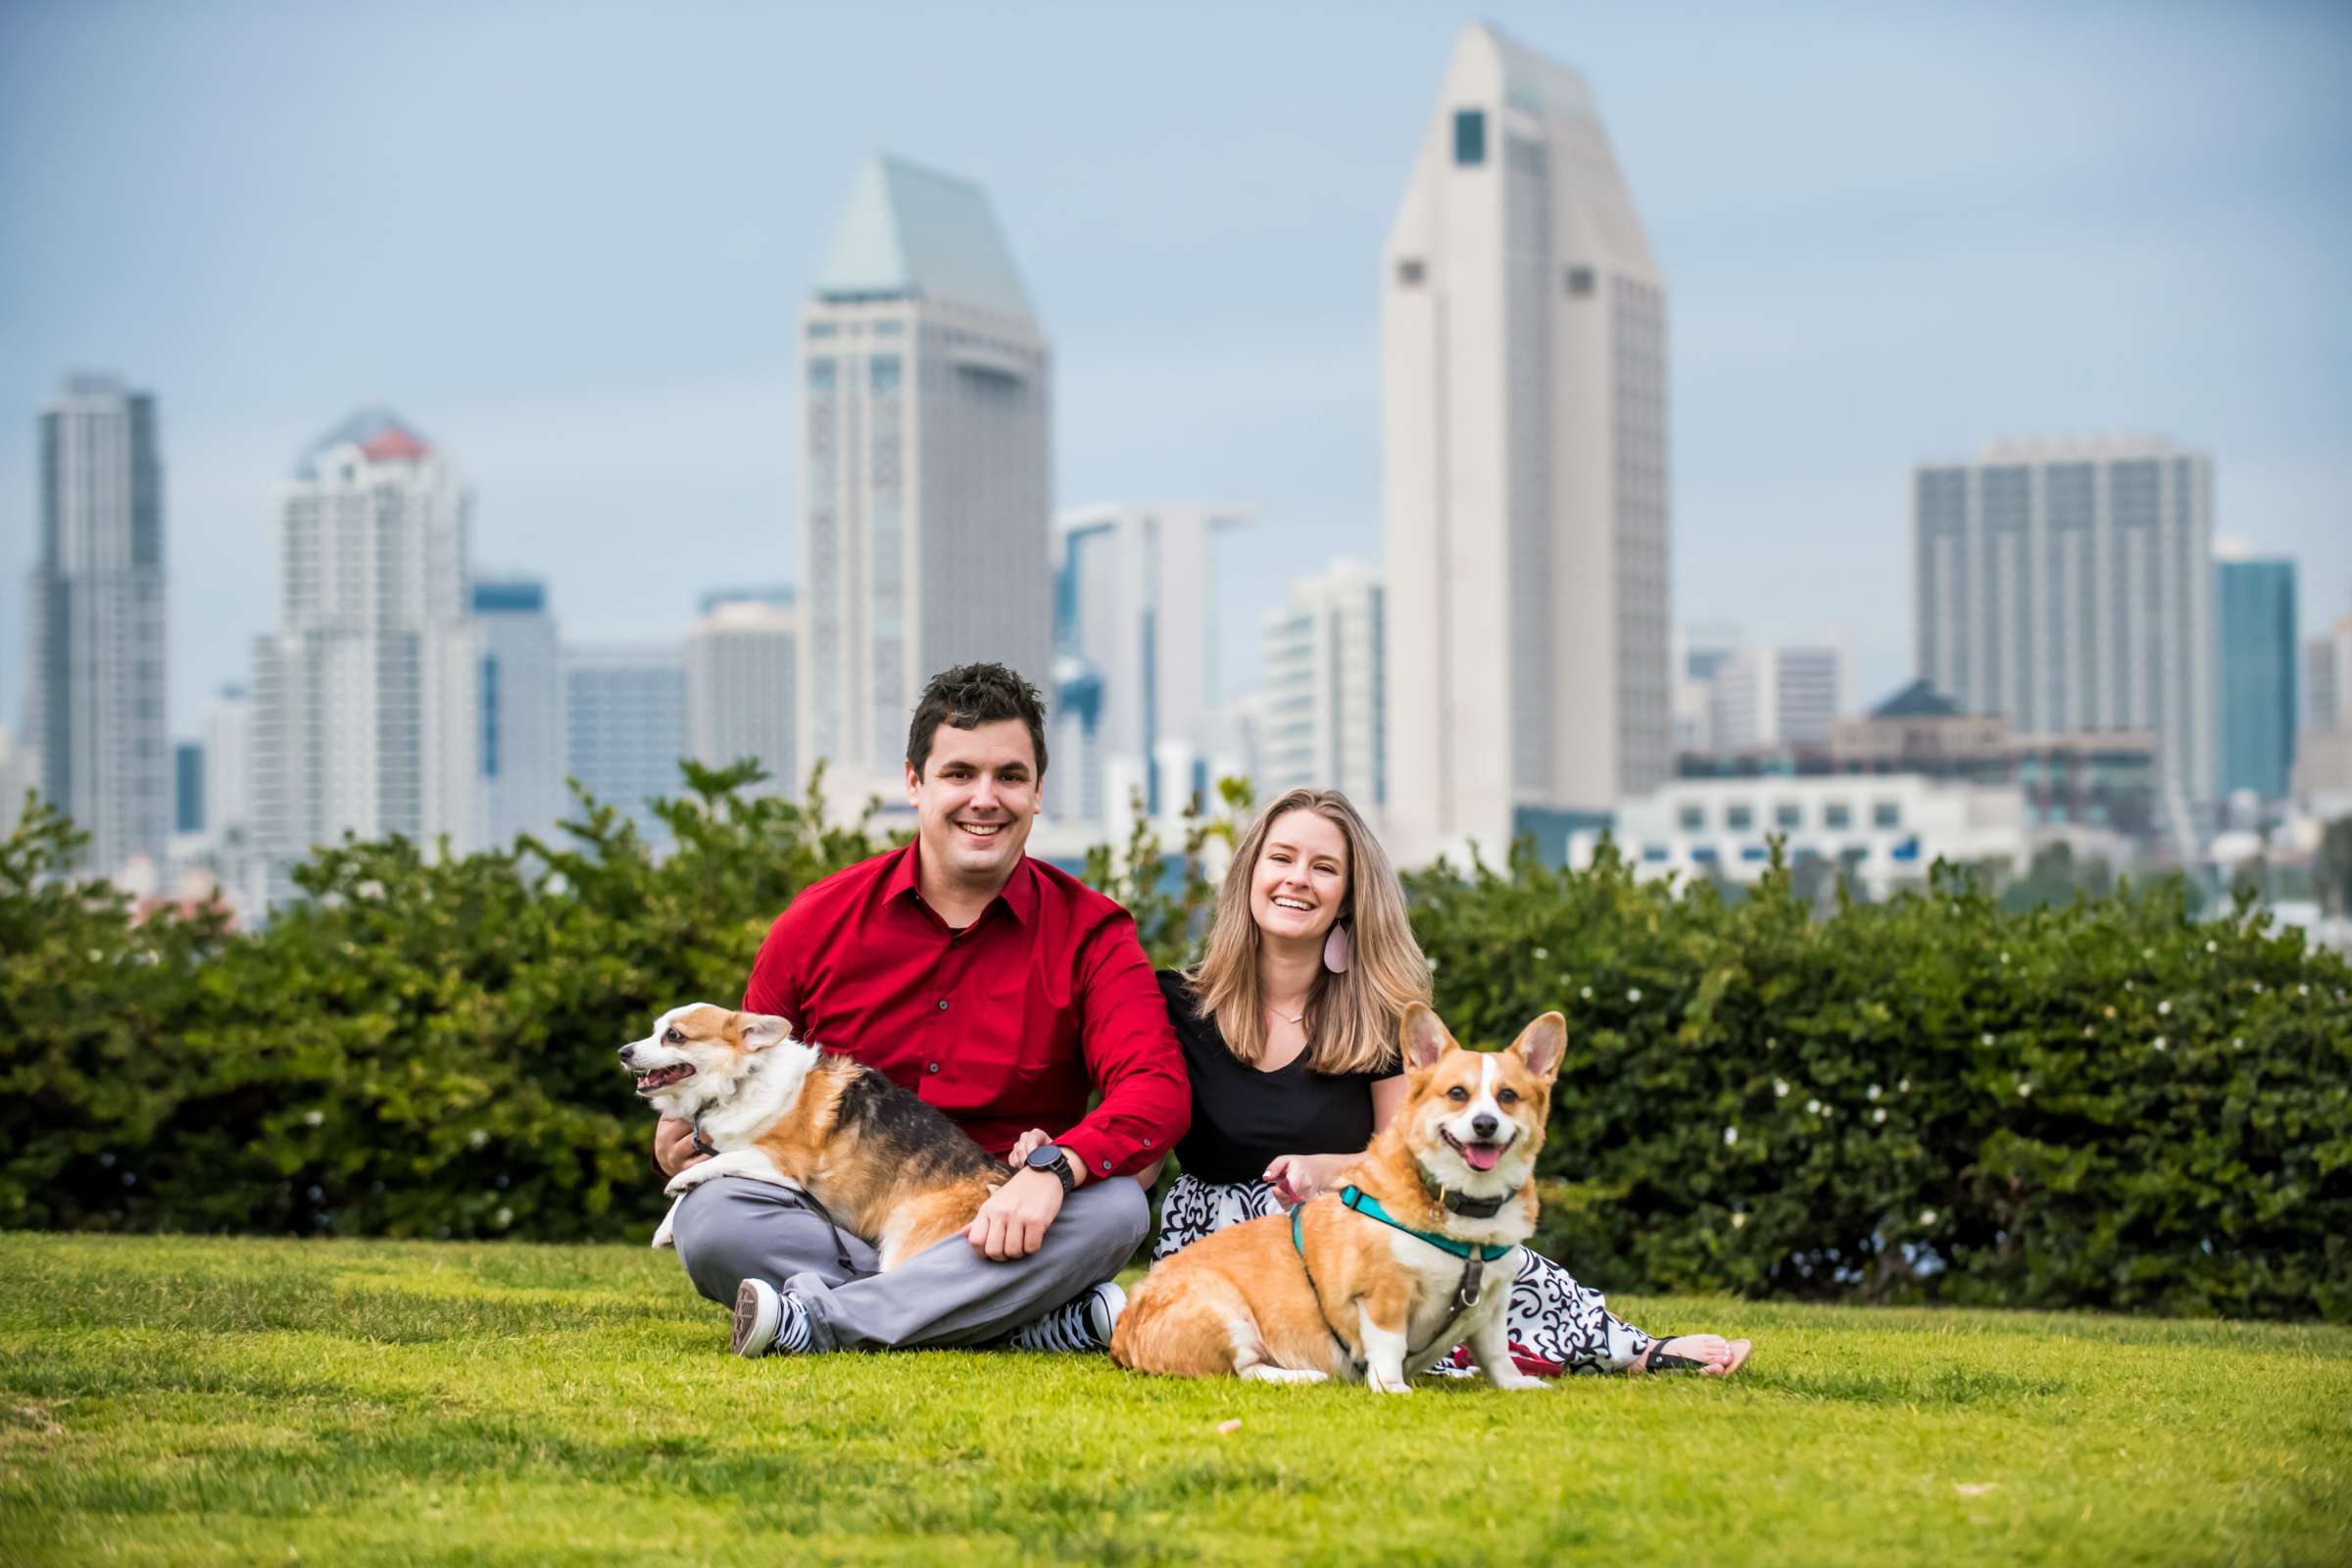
[[926, 500], [1524, 422]]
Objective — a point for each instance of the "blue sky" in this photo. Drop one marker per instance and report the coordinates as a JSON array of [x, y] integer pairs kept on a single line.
[[568, 243]]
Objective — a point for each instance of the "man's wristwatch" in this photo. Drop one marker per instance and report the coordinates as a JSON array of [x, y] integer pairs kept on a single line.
[[1054, 1158]]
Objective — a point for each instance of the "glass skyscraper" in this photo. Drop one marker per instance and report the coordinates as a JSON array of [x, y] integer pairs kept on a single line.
[[2258, 676]]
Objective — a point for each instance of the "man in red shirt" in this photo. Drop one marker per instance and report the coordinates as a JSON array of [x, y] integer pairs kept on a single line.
[[1001, 991]]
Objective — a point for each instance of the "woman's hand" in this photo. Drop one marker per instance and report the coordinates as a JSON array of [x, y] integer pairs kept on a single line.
[[1299, 1177]]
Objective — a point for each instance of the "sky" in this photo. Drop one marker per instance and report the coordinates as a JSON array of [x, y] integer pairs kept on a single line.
[[569, 242]]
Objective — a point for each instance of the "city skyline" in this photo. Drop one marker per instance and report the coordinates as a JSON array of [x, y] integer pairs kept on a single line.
[[609, 341]]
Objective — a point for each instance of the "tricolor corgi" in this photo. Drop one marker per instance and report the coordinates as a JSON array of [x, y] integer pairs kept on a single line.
[[1412, 1254], [885, 1165]]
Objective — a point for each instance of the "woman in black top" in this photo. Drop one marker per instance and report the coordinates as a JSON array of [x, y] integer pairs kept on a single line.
[[1288, 1029]]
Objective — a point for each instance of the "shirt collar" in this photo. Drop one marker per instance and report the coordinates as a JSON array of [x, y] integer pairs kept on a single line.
[[1018, 896]]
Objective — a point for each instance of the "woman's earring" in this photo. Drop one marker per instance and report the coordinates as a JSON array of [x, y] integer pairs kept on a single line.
[[1337, 951]]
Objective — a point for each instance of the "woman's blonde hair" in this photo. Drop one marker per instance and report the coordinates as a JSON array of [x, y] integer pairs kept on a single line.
[[1350, 1018]]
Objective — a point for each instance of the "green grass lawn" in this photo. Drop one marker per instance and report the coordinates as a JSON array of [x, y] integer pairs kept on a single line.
[[238, 1401]]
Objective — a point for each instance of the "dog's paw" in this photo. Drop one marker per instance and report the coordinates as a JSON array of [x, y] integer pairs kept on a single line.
[[1387, 1383], [1519, 1382]]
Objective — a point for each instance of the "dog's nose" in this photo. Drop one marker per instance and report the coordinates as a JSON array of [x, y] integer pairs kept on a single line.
[[624, 1053], [1484, 1125]]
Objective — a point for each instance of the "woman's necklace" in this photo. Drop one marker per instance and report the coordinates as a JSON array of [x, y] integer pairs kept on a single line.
[[1299, 1022]]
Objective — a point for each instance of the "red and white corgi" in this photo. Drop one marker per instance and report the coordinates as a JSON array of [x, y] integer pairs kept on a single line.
[[885, 1164], [1380, 1291]]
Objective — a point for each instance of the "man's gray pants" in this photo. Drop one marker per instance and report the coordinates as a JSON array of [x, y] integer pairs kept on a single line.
[[736, 1228]]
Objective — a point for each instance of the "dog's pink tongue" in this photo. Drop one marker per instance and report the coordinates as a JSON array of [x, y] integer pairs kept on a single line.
[[1481, 1157]]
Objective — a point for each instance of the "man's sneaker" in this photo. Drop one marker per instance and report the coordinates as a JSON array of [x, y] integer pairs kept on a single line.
[[769, 1321], [1080, 1324]]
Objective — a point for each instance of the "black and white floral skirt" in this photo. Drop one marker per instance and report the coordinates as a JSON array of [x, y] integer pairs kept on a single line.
[[1556, 1325]]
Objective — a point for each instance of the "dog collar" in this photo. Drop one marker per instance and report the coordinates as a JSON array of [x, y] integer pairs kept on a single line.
[[1364, 1202], [702, 1144], [1459, 1202]]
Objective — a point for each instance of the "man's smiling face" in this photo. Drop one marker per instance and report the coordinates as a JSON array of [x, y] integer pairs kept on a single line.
[[976, 799]]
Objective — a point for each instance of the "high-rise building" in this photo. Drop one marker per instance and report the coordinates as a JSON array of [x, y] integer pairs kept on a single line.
[[521, 708], [1779, 696], [624, 711], [94, 704], [228, 770], [187, 787], [2328, 680], [926, 496], [1524, 431], [2257, 676], [741, 679], [2067, 586], [1323, 722], [367, 712], [1136, 601], [20, 777]]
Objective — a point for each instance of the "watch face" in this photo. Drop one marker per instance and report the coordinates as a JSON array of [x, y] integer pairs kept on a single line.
[[1044, 1157]]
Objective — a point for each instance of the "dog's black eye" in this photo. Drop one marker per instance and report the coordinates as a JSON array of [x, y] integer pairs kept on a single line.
[[1458, 1093], [673, 1037], [1509, 1096]]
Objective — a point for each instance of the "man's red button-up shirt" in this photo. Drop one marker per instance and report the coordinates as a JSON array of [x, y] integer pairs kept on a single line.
[[1004, 1025]]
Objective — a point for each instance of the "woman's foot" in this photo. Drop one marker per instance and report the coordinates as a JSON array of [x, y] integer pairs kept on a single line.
[[1715, 1355]]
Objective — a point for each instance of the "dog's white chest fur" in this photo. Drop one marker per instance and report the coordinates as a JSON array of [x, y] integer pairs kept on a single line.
[[1436, 1279]]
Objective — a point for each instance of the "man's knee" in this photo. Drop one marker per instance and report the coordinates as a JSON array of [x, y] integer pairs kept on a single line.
[[723, 1230], [1122, 1218]]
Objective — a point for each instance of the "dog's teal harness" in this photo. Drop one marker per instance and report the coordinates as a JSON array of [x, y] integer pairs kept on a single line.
[[1475, 1256]]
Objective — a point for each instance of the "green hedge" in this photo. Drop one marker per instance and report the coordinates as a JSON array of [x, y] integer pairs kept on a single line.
[[2112, 1105]]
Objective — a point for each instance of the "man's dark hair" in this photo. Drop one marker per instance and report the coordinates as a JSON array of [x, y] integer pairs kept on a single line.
[[968, 697]]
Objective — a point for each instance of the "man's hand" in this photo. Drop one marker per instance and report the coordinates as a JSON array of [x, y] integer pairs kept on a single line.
[[1012, 1222], [1029, 1143], [673, 1146]]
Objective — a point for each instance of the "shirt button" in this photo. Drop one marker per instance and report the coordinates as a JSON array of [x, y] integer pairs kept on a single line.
[[1106, 1164], [1146, 1143], [943, 1003], [934, 1067]]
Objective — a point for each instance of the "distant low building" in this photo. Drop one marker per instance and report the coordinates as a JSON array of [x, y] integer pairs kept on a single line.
[[2099, 780], [1884, 831]]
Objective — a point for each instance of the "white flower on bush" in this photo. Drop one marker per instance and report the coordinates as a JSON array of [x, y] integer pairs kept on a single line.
[[1737, 1219], [1543, 953], [2240, 1044], [2213, 946], [1779, 1089], [1812, 1107], [1633, 992], [1985, 1040], [2025, 1090], [2163, 1009], [503, 1217], [2258, 988], [313, 1118], [1927, 1217], [1879, 1115], [2160, 1045], [2302, 990], [1731, 1136], [476, 1137], [1586, 993], [1903, 1087], [1872, 1092], [2004, 958]]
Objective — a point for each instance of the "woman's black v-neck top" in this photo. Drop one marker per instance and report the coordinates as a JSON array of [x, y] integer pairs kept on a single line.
[[1243, 1118]]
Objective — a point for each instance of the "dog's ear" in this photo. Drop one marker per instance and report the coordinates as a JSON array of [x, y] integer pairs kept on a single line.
[[1424, 1038], [1541, 1044], [760, 1030]]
